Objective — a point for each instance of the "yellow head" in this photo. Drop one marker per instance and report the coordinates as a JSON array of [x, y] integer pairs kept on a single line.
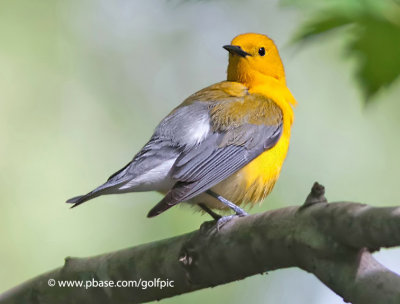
[[252, 57]]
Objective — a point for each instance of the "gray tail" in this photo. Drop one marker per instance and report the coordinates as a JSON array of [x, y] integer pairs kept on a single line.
[[77, 200], [111, 186], [107, 188]]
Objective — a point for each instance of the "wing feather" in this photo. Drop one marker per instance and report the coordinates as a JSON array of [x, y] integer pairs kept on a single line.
[[242, 127], [198, 174]]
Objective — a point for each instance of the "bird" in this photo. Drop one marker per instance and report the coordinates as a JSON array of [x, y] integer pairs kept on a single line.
[[223, 146]]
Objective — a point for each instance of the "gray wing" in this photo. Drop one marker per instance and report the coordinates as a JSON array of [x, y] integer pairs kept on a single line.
[[216, 158], [202, 157], [171, 138], [211, 163]]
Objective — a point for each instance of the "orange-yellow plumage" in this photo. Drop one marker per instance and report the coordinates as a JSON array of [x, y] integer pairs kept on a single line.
[[225, 142], [262, 80]]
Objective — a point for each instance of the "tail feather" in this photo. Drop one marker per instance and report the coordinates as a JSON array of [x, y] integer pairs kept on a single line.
[[174, 196], [107, 188], [74, 200], [167, 202], [77, 200]]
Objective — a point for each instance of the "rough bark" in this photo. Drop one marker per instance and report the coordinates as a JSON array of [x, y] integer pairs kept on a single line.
[[333, 241]]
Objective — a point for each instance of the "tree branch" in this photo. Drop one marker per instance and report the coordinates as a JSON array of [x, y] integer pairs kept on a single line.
[[333, 241]]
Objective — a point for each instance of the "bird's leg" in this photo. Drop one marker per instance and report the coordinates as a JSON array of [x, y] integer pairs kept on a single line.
[[214, 215], [223, 220], [239, 211]]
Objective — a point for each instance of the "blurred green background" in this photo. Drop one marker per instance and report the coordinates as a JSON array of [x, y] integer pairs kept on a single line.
[[84, 83]]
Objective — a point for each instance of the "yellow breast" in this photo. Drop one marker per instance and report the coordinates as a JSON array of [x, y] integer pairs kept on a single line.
[[255, 181], [252, 183], [260, 175]]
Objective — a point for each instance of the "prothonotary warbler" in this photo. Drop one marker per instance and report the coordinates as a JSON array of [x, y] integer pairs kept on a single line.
[[224, 145]]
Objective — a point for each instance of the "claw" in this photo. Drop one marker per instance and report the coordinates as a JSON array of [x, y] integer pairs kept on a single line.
[[221, 221], [224, 220]]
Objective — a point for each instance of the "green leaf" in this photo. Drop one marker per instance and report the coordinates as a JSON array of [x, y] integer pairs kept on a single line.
[[321, 25], [375, 45]]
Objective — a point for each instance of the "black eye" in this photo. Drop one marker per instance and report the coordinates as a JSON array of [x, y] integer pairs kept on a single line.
[[261, 51]]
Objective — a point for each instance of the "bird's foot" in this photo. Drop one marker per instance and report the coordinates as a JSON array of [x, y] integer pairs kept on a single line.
[[222, 221], [225, 219], [213, 227]]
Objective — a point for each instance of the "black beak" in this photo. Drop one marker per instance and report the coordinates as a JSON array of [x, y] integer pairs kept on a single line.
[[236, 50]]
